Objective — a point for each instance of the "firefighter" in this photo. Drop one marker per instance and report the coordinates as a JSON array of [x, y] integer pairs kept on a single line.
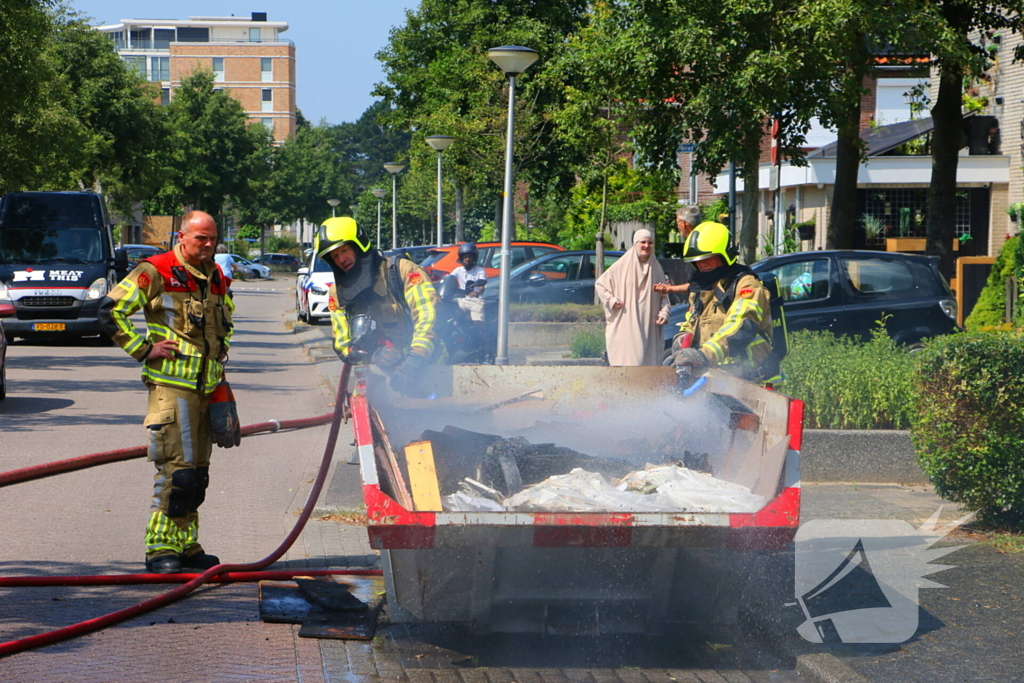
[[395, 294], [729, 315], [183, 295]]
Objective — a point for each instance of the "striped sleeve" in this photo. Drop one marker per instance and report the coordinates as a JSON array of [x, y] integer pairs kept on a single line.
[[129, 296], [422, 299], [742, 323]]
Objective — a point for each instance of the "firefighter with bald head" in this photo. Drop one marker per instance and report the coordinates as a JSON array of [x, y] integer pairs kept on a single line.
[[729, 322], [383, 310], [184, 297]]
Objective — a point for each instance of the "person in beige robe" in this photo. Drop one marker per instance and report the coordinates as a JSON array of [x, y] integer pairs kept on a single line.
[[634, 313]]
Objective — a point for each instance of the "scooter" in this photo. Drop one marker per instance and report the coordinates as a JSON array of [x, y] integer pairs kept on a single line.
[[466, 342]]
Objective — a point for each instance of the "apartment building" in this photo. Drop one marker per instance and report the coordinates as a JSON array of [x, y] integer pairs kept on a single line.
[[247, 55]]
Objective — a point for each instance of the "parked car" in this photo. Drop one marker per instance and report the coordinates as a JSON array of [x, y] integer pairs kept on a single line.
[[138, 252], [416, 254], [281, 261], [5, 311], [253, 270], [443, 260], [847, 292], [560, 277], [311, 291]]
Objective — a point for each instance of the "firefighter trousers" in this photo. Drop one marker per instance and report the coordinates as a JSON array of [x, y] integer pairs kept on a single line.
[[180, 443]]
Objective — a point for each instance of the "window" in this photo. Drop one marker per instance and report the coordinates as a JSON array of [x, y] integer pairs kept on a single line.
[[879, 278], [541, 251], [218, 69], [561, 268], [518, 256], [162, 38], [189, 34], [268, 99], [266, 69], [254, 35], [137, 63], [165, 96], [268, 123], [159, 69], [803, 280]]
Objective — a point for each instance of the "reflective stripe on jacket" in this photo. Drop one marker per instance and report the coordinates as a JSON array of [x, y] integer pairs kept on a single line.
[[739, 333], [179, 302], [409, 327]]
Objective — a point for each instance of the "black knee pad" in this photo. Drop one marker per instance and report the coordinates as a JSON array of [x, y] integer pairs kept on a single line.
[[183, 493], [202, 481]]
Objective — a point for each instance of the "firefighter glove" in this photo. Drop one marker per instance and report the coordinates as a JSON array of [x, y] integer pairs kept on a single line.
[[408, 373], [387, 358], [693, 359], [227, 430]]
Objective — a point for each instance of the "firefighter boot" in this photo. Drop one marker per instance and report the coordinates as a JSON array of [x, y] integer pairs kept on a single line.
[[163, 564], [198, 559]]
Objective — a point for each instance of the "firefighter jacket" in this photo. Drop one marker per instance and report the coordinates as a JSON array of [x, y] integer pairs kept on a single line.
[[732, 324], [408, 323], [189, 305]]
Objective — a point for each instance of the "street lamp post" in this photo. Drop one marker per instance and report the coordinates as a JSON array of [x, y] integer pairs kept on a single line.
[[513, 60], [394, 168], [379, 193], [439, 143], [334, 204]]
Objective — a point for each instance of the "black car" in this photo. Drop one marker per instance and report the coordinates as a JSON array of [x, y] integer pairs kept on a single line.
[[415, 254], [138, 252], [562, 277], [280, 261]]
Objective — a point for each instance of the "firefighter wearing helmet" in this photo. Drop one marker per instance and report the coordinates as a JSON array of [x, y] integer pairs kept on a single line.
[[729, 316], [382, 309]]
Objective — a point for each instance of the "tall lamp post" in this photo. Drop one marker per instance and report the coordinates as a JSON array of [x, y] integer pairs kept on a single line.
[[439, 143], [379, 193], [513, 61], [394, 168]]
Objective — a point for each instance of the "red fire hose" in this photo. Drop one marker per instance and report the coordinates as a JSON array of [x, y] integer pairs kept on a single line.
[[91, 625], [103, 457]]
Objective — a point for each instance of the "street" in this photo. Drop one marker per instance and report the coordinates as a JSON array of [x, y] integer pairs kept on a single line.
[[71, 399]]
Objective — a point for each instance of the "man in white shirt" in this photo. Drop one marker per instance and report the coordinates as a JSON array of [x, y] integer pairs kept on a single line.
[[472, 279]]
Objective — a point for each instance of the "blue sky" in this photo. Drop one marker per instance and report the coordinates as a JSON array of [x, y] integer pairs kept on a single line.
[[335, 43]]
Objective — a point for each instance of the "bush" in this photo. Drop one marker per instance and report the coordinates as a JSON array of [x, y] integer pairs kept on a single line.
[[587, 344], [990, 309], [555, 313], [847, 384], [970, 417]]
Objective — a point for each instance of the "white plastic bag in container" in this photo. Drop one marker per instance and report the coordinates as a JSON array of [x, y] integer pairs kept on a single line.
[[579, 491], [463, 502]]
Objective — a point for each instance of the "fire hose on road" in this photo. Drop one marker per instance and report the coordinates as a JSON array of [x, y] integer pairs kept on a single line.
[[221, 572]]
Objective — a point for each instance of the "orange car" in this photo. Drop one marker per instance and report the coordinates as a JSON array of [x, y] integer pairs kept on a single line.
[[443, 260]]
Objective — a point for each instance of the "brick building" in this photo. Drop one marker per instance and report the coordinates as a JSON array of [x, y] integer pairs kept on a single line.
[[247, 56]]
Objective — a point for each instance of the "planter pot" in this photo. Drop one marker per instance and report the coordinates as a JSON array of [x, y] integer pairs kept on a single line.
[[806, 232], [911, 244]]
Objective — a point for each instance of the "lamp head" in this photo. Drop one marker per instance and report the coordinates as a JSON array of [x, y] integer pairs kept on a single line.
[[334, 202], [439, 142], [394, 167], [378, 192], [513, 59]]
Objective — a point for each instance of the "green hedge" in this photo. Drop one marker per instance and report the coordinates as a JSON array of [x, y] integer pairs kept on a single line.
[[847, 384], [990, 309], [970, 422], [555, 313]]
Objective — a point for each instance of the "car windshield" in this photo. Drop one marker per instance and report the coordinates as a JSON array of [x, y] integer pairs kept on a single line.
[[39, 245], [318, 265], [433, 256]]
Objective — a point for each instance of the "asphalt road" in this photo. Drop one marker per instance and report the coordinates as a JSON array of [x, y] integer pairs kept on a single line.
[[70, 399]]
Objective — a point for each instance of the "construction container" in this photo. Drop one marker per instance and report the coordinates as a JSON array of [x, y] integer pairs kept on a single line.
[[588, 572]]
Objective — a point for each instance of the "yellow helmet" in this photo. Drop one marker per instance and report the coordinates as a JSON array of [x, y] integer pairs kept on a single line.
[[338, 231], [709, 239]]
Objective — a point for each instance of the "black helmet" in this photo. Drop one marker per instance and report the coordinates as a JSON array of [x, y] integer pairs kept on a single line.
[[468, 248]]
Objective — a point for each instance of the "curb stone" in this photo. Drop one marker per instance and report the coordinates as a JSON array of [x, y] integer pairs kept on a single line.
[[826, 668]]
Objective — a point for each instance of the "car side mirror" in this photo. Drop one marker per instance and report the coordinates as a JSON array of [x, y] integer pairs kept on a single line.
[[304, 271], [121, 262], [536, 279]]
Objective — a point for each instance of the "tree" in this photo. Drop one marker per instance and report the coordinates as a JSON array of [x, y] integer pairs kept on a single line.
[[947, 26], [367, 144], [211, 142]]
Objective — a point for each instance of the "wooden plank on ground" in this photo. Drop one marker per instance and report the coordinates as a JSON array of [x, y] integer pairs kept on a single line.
[[419, 458]]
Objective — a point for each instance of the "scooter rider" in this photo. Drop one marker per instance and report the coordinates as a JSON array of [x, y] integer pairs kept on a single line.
[[395, 293], [729, 316], [472, 280]]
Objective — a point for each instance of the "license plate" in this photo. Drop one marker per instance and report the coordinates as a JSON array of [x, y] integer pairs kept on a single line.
[[48, 327]]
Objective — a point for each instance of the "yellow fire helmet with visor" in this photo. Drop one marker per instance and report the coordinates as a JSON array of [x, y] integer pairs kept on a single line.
[[338, 231], [709, 239]]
